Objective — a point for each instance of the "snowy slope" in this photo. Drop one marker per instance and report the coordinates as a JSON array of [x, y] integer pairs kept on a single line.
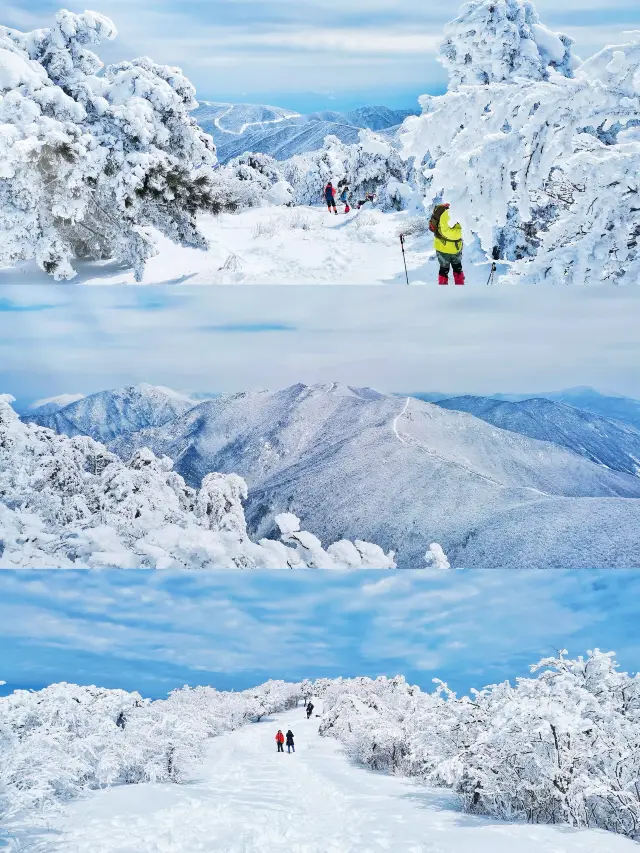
[[248, 799], [281, 133], [110, 413], [624, 409], [599, 439], [405, 473]]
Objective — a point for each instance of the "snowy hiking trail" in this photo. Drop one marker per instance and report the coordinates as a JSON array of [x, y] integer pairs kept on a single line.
[[279, 245], [247, 798]]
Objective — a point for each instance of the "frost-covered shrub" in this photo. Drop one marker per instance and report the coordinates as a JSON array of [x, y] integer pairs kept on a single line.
[[59, 742], [560, 747], [68, 502], [93, 158]]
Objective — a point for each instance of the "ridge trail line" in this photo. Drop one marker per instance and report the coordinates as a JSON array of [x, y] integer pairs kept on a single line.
[[411, 441], [247, 798]]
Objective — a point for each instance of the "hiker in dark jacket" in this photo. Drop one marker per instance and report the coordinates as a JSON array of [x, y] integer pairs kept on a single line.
[[309, 710], [290, 746], [330, 197]]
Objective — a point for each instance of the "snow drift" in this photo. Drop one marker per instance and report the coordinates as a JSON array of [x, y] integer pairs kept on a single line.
[[69, 502]]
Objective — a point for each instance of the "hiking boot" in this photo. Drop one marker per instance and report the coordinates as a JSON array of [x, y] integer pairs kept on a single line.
[[443, 279], [458, 277]]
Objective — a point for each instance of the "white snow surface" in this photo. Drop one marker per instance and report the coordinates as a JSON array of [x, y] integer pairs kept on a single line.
[[276, 245], [246, 798]]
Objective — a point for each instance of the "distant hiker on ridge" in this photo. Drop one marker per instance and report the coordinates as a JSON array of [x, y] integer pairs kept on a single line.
[[448, 244], [290, 746], [309, 709], [330, 197], [280, 740]]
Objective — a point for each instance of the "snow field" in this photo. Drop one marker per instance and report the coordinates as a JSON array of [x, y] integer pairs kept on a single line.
[[276, 245]]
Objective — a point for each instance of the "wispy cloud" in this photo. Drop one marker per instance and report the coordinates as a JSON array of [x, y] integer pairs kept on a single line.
[[9, 306], [155, 631], [228, 339], [247, 328]]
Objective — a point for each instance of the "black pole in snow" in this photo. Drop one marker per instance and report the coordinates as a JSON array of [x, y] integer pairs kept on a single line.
[[404, 257]]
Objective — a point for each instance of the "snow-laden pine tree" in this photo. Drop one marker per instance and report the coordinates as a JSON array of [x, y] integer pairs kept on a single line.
[[536, 153], [68, 502], [501, 40], [92, 158]]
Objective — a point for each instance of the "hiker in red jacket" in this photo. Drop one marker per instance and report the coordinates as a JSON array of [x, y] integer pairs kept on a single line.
[[280, 741]]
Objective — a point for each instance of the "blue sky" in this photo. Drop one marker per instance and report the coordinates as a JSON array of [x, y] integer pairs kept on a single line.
[[58, 339], [153, 631], [313, 55]]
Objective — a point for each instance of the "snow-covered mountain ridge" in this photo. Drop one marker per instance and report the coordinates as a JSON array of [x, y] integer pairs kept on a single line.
[[490, 496], [282, 133]]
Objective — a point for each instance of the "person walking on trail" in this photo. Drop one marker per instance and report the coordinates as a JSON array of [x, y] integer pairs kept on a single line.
[[309, 710], [344, 198], [330, 198], [280, 741], [448, 244], [290, 744]]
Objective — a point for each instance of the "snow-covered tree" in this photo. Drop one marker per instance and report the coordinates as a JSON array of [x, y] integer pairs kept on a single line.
[[94, 158], [540, 165], [68, 502], [494, 41]]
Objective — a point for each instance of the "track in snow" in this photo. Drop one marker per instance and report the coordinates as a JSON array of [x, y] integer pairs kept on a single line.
[[249, 799]]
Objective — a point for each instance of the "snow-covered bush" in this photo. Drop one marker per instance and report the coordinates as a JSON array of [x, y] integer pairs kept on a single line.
[[69, 502], [59, 742], [93, 158], [560, 747], [531, 149]]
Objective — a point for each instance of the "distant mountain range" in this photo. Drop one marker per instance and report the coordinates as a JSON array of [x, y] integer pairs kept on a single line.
[[281, 133], [470, 473]]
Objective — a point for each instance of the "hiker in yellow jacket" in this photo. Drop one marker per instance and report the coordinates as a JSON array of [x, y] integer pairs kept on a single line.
[[448, 244]]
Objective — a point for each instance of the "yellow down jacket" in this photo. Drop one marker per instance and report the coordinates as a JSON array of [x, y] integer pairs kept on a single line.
[[452, 243]]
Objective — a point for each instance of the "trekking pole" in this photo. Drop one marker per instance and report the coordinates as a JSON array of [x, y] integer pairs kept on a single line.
[[492, 273], [404, 258]]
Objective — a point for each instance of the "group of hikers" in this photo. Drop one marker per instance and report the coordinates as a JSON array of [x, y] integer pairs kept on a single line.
[[344, 192], [447, 237], [288, 738]]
